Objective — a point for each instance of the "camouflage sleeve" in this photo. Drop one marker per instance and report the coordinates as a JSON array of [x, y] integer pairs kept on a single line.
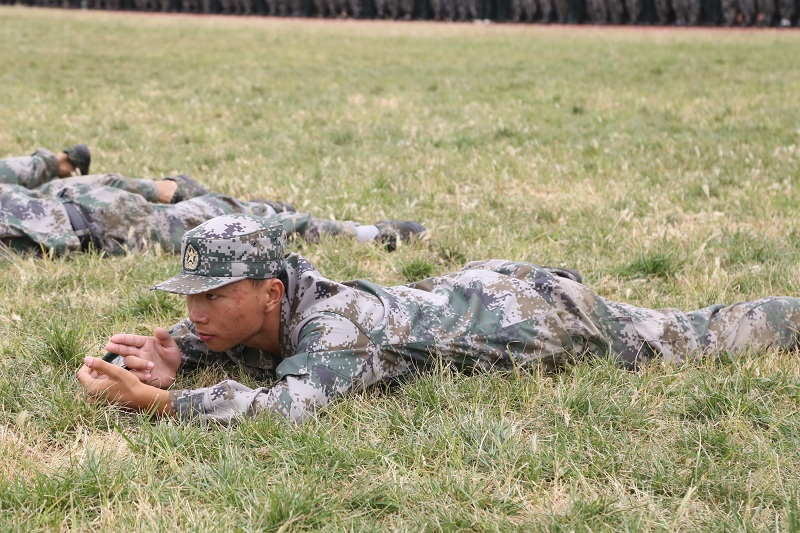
[[333, 357], [29, 171], [522, 270]]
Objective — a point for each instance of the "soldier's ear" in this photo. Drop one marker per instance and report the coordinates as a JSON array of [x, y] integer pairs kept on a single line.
[[273, 291]]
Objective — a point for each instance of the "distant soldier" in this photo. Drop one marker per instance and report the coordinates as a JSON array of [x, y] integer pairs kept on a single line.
[[288, 8], [544, 8], [75, 217], [597, 11], [442, 9], [661, 11], [747, 12], [616, 10], [324, 8], [522, 10], [765, 13], [687, 12], [561, 8], [730, 12], [43, 166], [634, 8], [353, 8], [192, 6], [380, 8], [405, 9]]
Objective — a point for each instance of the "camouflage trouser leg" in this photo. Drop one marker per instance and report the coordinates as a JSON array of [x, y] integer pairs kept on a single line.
[[637, 335], [313, 229], [143, 187], [33, 222], [119, 219], [29, 171]]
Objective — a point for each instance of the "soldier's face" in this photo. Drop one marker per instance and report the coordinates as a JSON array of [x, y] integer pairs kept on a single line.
[[228, 316]]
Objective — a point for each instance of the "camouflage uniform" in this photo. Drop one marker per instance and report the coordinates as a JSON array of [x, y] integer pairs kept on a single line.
[[341, 337], [29, 171], [120, 220]]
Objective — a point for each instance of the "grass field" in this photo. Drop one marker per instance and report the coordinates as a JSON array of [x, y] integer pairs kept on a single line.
[[663, 164]]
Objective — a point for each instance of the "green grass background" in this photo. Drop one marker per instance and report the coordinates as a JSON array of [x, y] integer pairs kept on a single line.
[[663, 164]]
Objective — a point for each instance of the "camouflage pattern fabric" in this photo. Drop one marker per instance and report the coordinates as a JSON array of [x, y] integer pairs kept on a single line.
[[29, 171], [145, 188], [342, 337], [122, 220], [228, 249]]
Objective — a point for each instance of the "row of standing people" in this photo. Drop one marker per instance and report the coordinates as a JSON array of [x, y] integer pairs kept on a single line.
[[659, 12]]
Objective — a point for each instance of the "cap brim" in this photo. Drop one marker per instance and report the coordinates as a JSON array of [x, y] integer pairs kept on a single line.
[[194, 284]]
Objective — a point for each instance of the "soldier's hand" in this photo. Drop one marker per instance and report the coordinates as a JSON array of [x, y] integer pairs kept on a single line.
[[153, 360], [113, 383]]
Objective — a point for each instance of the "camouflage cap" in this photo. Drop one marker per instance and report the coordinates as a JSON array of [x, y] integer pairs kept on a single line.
[[227, 249], [79, 157]]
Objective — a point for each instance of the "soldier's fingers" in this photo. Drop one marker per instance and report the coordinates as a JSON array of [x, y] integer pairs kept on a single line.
[[121, 349], [129, 339], [164, 337], [137, 363], [98, 365]]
